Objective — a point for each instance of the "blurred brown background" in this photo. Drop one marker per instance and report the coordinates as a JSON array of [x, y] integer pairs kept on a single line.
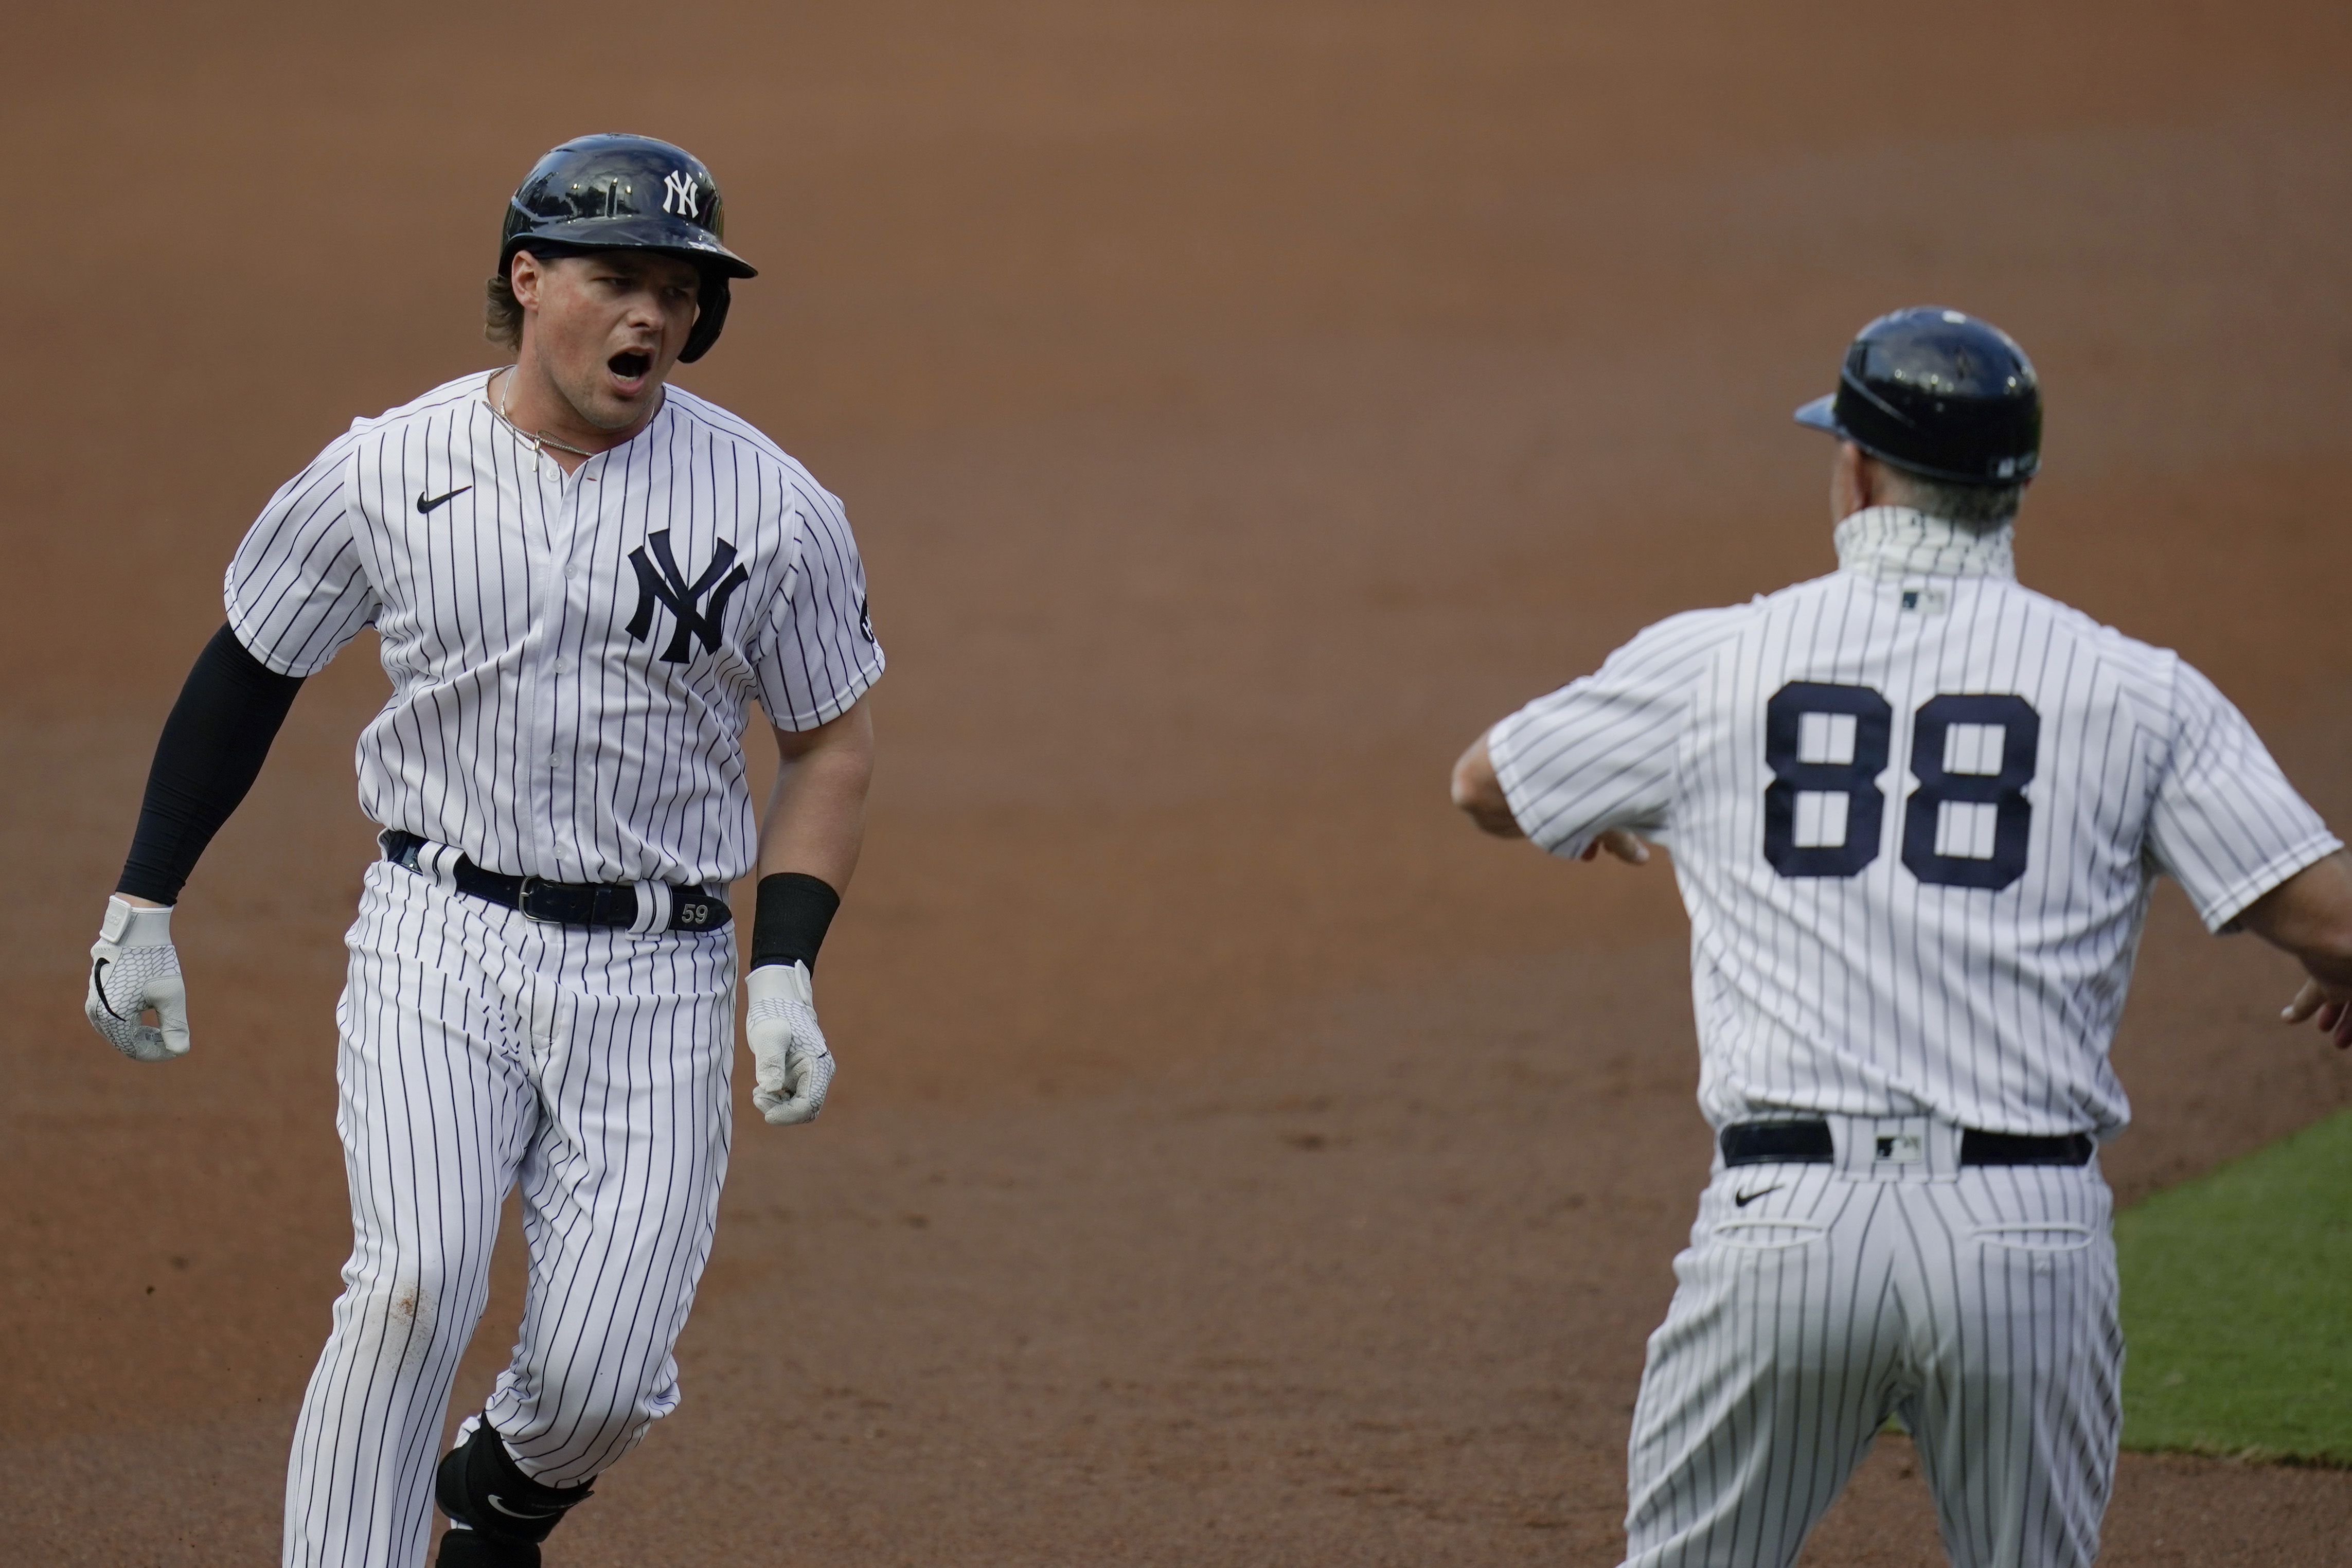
[[1236, 1160]]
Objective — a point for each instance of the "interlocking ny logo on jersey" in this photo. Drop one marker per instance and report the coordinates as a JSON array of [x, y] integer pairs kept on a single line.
[[661, 582], [678, 189]]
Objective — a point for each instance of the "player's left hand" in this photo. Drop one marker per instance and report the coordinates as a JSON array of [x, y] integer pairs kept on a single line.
[[2331, 1004], [787, 1047], [1620, 843]]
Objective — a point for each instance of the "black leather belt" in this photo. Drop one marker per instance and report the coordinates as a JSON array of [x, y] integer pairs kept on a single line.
[[561, 903], [1808, 1143]]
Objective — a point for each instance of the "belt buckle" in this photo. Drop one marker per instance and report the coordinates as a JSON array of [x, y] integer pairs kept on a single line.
[[522, 901]]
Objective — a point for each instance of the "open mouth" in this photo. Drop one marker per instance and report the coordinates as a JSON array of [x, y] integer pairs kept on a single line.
[[631, 364]]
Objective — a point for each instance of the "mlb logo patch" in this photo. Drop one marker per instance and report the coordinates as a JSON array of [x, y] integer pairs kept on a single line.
[[1902, 1148]]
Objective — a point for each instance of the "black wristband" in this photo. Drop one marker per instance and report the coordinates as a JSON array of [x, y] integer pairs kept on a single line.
[[794, 910]]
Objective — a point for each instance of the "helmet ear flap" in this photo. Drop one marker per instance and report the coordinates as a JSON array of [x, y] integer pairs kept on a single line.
[[713, 319]]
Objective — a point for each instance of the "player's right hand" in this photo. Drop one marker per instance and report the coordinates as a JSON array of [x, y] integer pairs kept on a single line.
[[135, 970]]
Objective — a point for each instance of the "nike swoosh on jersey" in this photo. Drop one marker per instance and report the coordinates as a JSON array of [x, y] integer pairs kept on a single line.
[[1741, 1200], [425, 506]]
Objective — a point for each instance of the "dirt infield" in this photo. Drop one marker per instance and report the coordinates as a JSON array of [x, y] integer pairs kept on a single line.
[[1236, 1160]]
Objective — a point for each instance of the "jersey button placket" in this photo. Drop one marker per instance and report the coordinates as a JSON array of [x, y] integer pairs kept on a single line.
[[582, 505], [550, 624], [566, 608]]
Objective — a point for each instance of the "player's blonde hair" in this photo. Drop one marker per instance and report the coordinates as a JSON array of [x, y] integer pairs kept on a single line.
[[503, 312]]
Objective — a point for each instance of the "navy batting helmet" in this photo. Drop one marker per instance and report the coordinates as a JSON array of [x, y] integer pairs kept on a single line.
[[1938, 392], [629, 193]]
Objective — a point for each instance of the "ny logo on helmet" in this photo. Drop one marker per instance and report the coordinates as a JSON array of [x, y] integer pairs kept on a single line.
[[678, 194]]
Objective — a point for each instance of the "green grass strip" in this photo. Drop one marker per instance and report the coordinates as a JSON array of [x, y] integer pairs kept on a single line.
[[2237, 1306]]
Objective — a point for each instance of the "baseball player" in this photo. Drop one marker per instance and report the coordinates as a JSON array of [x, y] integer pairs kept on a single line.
[[1915, 811], [580, 578]]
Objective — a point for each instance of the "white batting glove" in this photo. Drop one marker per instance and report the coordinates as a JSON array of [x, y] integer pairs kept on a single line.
[[133, 969], [787, 1047]]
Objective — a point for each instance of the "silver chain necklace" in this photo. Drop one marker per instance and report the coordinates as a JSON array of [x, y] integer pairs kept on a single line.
[[539, 441]]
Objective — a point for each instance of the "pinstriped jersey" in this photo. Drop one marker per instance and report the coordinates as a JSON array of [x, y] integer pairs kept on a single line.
[[572, 656], [1915, 811]]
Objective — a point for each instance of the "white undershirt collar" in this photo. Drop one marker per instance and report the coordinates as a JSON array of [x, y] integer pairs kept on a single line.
[[1897, 542]]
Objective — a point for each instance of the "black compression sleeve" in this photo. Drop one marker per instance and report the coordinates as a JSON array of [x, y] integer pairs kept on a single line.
[[794, 910], [208, 756]]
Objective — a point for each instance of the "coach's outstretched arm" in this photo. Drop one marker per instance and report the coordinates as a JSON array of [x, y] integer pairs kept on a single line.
[[809, 840], [210, 752], [2310, 916], [1479, 794]]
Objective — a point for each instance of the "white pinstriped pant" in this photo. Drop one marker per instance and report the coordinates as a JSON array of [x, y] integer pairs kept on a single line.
[[1976, 1303], [480, 1049]]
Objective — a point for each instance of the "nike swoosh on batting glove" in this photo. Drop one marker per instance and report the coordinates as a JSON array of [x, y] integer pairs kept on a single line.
[[787, 1047], [133, 969]]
